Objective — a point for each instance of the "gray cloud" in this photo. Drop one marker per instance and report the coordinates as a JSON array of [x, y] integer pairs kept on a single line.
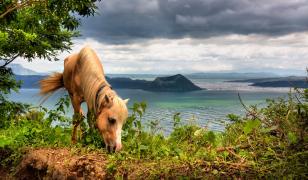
[[121, 21], [183, 36]]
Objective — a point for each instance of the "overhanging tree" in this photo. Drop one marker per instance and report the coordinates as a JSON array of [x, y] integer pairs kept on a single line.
[[39, 28], [36, 29]]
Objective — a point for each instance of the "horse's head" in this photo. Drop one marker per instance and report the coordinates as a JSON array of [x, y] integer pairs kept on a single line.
[[110, 119]]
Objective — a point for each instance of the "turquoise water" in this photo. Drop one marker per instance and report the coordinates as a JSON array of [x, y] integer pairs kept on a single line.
[[207, 108]]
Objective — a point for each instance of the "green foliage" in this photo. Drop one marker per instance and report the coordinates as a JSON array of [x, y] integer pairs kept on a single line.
[[7, 82], [41, 29], [9, 110], [250, 126], [33, 128], [274, 134], [176, 120], [270, 142], [58, 114], [233, 117], [38, 30]]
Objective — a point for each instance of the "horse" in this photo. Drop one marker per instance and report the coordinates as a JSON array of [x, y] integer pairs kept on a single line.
[[84, 79]]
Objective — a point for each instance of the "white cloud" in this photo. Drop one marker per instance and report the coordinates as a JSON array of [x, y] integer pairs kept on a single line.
[[224, 53]]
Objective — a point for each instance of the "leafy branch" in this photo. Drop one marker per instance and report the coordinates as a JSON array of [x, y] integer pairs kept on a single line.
[[18, 4]]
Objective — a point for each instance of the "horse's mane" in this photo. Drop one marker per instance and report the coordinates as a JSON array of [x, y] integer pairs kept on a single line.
[[92, 78]]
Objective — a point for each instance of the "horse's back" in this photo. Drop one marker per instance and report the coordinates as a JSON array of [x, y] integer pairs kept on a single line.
[[80, 68], [70, 73], [89, 61]]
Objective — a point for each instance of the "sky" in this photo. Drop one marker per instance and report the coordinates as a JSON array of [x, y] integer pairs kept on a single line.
[[188, 36]]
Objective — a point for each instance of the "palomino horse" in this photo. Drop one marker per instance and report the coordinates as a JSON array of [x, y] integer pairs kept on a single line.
[[83, 77]]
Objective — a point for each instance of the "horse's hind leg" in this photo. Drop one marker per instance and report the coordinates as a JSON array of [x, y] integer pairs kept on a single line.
[[77, 117]]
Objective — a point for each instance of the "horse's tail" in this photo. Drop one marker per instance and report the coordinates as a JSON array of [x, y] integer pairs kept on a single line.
[[51, 84]]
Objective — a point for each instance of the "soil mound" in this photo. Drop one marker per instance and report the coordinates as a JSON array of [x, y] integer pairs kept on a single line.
[[61, 164]]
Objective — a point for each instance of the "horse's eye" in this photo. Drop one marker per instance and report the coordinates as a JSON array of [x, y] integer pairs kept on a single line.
[[111, 120]]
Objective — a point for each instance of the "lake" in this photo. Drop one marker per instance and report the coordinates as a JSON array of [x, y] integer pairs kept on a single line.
[[207, 108]]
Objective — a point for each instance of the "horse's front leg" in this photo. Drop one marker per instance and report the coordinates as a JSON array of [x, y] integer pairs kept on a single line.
[[91, 119], [77, 117]]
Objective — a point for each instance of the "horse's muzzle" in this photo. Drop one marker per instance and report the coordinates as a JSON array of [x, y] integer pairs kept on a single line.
[[112, 149]]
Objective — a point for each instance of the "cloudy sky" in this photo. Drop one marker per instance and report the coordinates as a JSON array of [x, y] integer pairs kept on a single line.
[[184, 36]]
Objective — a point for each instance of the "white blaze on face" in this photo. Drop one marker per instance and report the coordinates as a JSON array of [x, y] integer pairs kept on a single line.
[[118, 138]]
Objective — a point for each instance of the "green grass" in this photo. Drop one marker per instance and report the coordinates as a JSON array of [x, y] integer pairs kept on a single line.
[[267, 142]]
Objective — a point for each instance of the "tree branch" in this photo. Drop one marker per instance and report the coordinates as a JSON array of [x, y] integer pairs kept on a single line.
[[15, 5], [252, 113], [9, 61]]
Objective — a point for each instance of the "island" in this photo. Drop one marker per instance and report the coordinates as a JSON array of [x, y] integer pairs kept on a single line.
[[175, 83], [290, 81]]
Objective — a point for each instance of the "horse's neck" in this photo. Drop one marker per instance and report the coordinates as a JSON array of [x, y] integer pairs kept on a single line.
[[90, 86]]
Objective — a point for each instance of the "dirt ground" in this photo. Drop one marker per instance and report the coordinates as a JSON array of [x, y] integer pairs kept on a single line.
[[71, 164], [59, 164]]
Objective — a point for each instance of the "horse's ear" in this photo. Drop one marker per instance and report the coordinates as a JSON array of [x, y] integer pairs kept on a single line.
[[108, 101], [126, 101]]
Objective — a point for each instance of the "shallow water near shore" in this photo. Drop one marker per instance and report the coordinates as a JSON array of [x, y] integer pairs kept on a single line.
[[207, 108]]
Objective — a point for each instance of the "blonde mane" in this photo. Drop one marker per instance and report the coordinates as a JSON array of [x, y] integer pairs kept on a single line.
[[92, 79]]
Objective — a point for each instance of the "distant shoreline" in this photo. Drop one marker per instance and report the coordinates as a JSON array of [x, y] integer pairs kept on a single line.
[[280, 82], [183, 84], [175, 83]]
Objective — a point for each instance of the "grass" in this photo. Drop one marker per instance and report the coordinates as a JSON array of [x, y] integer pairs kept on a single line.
[[268, 142]]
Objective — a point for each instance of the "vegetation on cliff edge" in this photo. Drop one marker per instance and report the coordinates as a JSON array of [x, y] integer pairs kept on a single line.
[[267, 142]]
